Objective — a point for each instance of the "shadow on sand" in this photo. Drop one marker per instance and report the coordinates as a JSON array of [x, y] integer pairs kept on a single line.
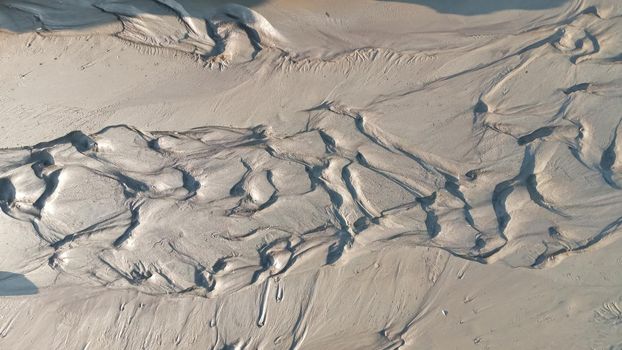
[[14, 284], [481, 7], [21, 16]]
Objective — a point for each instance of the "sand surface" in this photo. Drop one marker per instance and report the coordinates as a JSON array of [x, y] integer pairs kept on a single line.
[[352, 174]]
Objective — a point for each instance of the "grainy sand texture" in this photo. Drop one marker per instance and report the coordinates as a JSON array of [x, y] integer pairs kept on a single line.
[[310, 174]]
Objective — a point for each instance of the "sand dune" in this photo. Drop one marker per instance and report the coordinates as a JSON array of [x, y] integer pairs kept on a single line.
[[310, 175]]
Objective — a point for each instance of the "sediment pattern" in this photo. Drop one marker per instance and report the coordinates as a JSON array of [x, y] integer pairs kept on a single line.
[[483, 162]]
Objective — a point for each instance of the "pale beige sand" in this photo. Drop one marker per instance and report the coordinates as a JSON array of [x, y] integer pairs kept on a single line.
[[310, 174]]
